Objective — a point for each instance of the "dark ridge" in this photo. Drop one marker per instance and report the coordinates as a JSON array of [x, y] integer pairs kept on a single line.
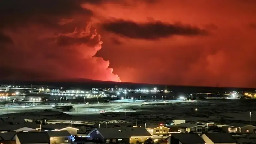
[[88, 84]]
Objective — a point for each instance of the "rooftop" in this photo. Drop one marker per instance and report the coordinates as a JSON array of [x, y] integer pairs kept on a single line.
[[188, 138], [33, 137], [220, 137], [123, 132], [58, 133]]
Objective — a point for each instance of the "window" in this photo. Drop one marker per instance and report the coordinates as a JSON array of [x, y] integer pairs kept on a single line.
[[120, 139], [107, 140]]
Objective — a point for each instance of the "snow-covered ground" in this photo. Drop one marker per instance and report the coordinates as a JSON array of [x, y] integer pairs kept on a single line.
[[200, 110]]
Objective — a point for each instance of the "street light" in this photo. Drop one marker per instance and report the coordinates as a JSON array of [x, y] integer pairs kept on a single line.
[[125, 92], [250, 117]]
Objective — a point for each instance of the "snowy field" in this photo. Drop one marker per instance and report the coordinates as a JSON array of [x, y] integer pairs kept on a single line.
[[203, 110]]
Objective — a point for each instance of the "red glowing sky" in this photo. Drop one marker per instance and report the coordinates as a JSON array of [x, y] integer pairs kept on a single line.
[[178, 42]]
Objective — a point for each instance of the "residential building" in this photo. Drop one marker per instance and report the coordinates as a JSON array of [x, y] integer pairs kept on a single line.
[[60, 127], [7, 138], [218, 138], [60, 137], [25, 127], [119, 135], [248, 129], [32, 138], [176, 122], [159, 131], [185, 138]]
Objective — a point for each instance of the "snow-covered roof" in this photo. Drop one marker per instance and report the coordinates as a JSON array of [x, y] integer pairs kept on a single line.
[[123, 132]]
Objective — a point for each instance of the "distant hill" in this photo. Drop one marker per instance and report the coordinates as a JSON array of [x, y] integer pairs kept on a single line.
[[88, 84]]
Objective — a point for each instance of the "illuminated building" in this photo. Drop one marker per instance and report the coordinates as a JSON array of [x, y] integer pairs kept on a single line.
[[59, 137], [120, 135], [161, 130]]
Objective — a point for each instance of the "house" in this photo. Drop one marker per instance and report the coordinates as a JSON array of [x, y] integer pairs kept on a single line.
[[71, 130], [32, 138], [119, 135], [19, 127], [238, 128], [190, 127], [174, 130], [25, 129], [54, 127], [60, 127], [56, 137], [176, 122], [200, 128], [184, 127], [185, 138], [248, 129], [7, 138], [218, 138], [232, 128], [159, 131]]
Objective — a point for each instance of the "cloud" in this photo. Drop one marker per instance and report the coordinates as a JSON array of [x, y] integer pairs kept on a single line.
[[122, 2], [5, 39], [90, 38], [152, 30], [222, 58], [252, 25], [45, 12], [50, 39], [47, 39]]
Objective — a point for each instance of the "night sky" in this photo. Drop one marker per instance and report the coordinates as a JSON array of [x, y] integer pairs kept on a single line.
[[176, 42]]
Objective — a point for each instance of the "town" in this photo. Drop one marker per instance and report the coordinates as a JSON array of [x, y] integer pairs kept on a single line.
[[50, 114]]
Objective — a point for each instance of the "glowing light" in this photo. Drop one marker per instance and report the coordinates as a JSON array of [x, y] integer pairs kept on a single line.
[[182, 98], [233, 95]]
